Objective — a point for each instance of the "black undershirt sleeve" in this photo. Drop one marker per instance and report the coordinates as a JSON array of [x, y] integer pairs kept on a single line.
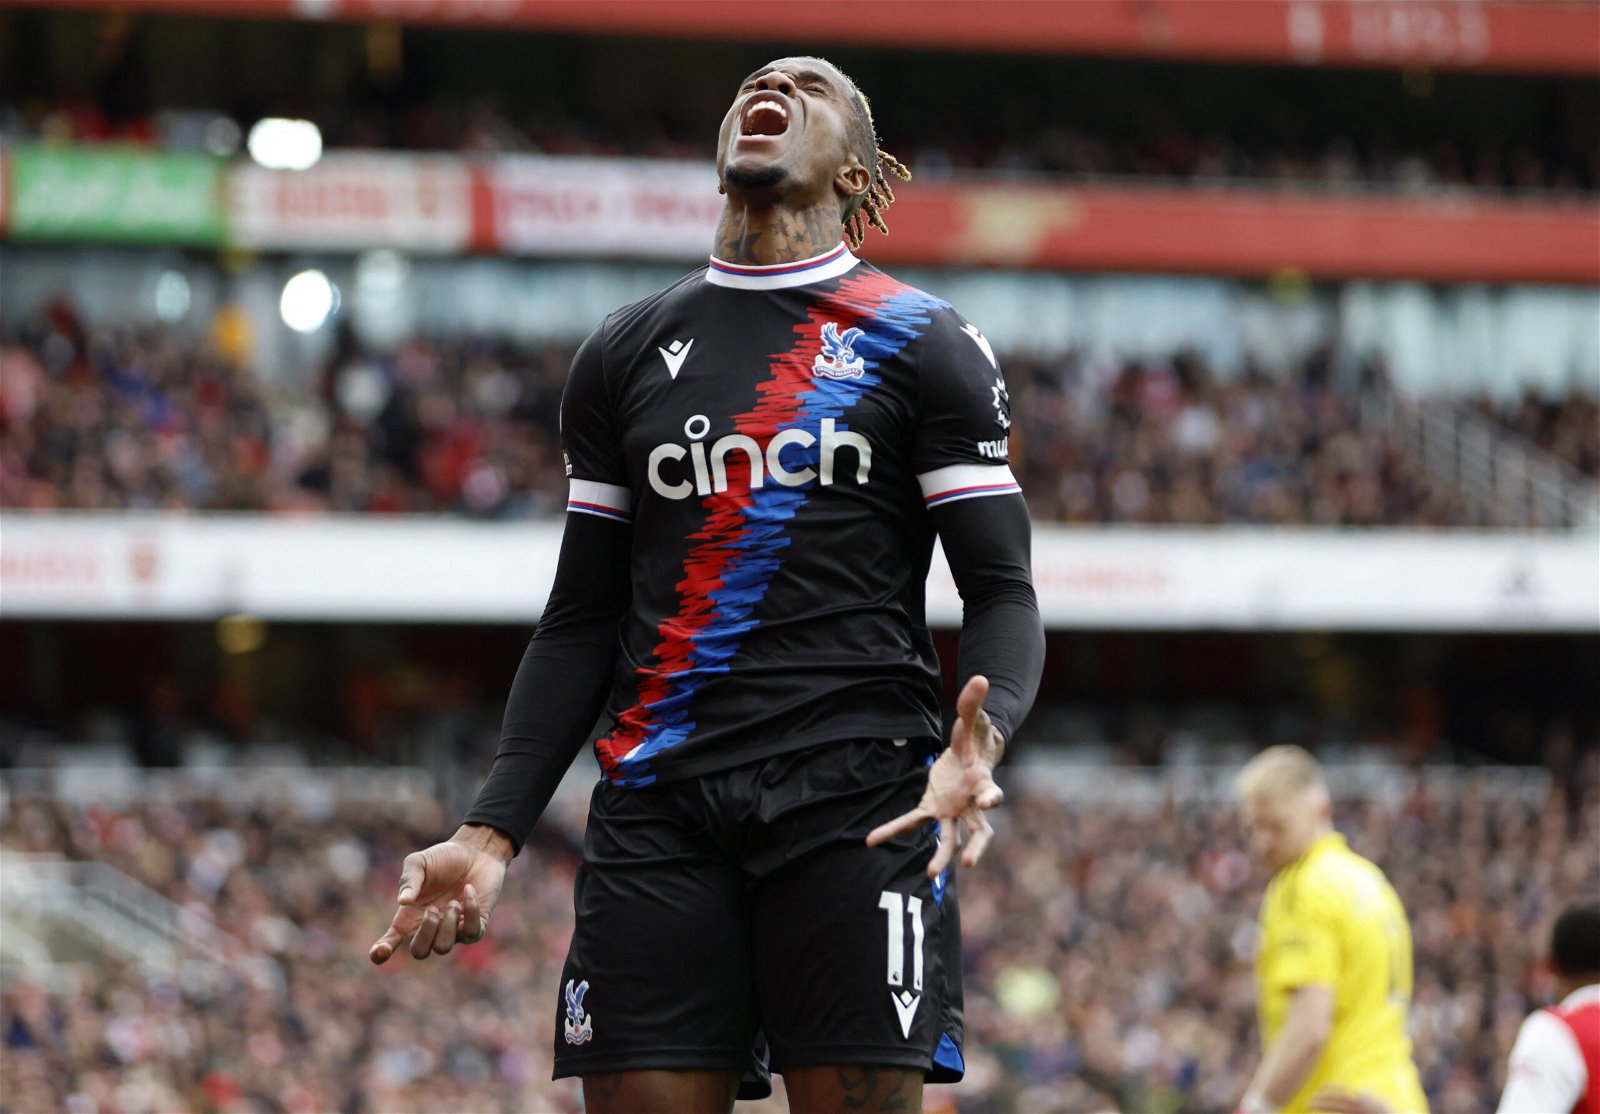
[[565, 675], [988, 544]]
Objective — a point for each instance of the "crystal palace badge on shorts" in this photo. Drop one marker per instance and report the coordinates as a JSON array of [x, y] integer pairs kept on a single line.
[[579, 1026]]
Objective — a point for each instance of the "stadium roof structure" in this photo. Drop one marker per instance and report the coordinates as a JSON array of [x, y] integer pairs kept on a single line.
[[1517, 36]]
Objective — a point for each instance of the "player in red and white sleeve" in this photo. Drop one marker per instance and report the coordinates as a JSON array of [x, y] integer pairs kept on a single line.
[[1555, 1064]]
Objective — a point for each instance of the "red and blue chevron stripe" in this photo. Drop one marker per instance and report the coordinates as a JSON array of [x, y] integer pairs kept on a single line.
[[740, 547]]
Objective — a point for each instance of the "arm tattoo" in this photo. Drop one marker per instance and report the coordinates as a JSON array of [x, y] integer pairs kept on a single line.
[[876, 1090]]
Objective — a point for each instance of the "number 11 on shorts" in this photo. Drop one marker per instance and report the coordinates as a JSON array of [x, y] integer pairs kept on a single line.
[[898, 909]]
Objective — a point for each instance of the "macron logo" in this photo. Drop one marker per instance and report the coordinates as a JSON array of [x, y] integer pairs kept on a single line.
[[905, 1006], [982, 342], [675, 353]]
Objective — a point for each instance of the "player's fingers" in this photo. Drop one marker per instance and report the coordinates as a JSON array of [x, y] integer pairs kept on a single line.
[[473, 922], [989, 796], [902, 823], [973, 694], [445, 938], [380, 952], [412, 874], [406, 919], [422, 939], [946, 848], [979, 833]]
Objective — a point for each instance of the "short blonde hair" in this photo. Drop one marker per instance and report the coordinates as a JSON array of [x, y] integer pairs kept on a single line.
[[1282, 771]]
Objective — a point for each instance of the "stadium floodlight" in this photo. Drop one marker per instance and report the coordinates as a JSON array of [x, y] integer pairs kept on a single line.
[[172, 296], [280, 144], [308, 300]]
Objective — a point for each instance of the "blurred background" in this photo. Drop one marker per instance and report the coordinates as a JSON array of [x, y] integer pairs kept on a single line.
[[1299, 307]]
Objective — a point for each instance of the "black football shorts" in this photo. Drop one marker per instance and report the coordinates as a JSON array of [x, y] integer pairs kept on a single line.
[[738, 920]]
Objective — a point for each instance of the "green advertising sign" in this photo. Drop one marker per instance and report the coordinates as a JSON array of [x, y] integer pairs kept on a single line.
[[115, 195]]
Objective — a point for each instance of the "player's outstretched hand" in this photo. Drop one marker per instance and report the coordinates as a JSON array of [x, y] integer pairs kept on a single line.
[[446, 893], [960, 786]]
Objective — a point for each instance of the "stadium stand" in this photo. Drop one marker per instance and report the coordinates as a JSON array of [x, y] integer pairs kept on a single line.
[[1138, 996], [1331, 306], [124, 417]]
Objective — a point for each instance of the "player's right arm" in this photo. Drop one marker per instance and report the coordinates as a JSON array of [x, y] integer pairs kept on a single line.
[[1290, 1059], [448, 890], [1303, 963], [565, 674]]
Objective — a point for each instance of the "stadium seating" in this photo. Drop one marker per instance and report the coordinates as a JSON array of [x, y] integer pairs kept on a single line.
[[120, 417], [1136, 996]]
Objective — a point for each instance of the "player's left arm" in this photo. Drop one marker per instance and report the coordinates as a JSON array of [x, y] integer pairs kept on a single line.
[[988, 546], [982, 521], [986, 543]]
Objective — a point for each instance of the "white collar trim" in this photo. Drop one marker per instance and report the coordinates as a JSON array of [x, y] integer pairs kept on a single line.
[[778, 276]]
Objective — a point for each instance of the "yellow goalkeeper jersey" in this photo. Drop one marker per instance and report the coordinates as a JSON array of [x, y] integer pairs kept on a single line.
[[1331, 918]]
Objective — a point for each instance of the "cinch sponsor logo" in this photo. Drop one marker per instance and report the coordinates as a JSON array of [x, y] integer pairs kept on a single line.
[[707, 468]]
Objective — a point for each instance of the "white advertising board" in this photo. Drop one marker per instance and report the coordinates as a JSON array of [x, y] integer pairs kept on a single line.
[[151, 566], [1260, 579], [349, 201], [435, 569], [584, 206]]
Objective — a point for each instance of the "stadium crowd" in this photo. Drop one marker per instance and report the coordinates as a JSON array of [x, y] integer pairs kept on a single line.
[[1130, 987], [94, 418], [1052, 149]]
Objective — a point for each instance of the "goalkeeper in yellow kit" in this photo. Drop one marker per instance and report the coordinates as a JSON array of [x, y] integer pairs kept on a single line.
[[1333, 965]]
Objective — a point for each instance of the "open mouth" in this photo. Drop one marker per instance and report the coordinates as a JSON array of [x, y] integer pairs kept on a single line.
[[764, 116]]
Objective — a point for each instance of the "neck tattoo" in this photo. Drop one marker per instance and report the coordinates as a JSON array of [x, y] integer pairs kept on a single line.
[[763, 237]]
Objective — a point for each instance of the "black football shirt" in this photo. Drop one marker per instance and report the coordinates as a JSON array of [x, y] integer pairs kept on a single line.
[[776, 436]]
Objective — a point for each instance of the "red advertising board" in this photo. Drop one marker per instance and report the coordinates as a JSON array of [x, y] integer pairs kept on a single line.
[[552, 206], [1521, 36], [1243, 232], [636, 208]]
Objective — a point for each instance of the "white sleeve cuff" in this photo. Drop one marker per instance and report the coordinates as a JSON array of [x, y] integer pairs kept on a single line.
[[966, 481], [602, 500]]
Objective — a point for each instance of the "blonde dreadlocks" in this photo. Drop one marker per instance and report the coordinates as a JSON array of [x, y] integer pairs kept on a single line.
[[878, 199]]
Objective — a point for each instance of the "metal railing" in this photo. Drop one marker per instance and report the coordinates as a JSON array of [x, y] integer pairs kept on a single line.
[[1507, 481], [311, 788], [46, 899]]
